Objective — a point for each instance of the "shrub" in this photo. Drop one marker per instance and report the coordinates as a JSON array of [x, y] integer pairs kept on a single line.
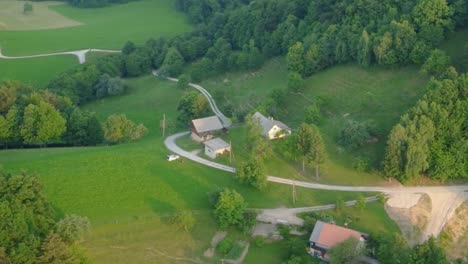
[[235, 251], [184, 220], [139, 132], [361, 165], [225, 246], [259, 241]]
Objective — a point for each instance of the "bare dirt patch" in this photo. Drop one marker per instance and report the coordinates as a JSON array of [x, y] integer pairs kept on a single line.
[[455, 234], [209, 253], [412, 216], [12, 17]]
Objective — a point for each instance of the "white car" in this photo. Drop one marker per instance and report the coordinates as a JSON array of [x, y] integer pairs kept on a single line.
[[172, 157]]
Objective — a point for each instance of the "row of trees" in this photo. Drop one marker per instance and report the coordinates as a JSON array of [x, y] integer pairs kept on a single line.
[[240, 34], [39, 118], [252, 172], [90, 81], [30, 231], [29, 117], [432, 138], [91, 3]]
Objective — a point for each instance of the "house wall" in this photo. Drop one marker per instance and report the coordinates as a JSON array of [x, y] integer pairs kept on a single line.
[[275, 132], [198, 138], [213, 154]]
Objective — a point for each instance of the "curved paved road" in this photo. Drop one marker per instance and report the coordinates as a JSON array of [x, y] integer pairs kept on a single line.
[[445, 199], [80, 54], [226, 121], [172, 146]]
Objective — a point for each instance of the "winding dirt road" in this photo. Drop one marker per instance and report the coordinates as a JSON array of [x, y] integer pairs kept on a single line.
[[80, 54]]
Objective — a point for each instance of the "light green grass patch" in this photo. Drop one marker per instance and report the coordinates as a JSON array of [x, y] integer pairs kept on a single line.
[[106, 28], [375, 94], [12, 17], [35, 71]]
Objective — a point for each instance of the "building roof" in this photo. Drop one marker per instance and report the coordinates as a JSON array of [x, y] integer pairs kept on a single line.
[[327, 235], [216, 144], [268, 123], [207, 124]]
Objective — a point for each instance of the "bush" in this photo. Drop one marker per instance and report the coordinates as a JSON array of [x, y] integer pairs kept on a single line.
[[235, 251], [340, 204], [361, 165], [138, 132], [118, 128], [225, 246], [248, 221], [260, 241], [355, 134], [184, 220]]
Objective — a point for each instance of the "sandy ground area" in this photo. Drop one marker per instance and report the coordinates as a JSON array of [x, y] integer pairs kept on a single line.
[[12, 17], [420, 218], [404, 200], [455, 238], [410, 219]]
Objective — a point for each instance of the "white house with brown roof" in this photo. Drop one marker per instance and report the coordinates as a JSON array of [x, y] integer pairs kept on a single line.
[[215, 147], [272, 128], [325, 236], [204, 128]]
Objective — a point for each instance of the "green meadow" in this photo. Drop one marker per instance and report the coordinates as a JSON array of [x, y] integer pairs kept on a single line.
[[378, 95], [35, 71], [130, 191], [106, 28]]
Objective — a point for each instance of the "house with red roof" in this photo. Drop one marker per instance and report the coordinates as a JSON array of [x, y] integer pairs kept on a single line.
[[325, 236]]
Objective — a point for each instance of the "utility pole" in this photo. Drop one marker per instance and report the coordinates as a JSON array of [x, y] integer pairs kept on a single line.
[[163, 124], [230, 152], [294, 192]]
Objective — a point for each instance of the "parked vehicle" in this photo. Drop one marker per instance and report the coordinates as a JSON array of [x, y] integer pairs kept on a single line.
[[172, 157]]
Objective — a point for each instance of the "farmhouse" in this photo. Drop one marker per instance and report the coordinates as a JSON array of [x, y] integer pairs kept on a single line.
[[272, 128], [215, 147], [325, 236], [204, 128]]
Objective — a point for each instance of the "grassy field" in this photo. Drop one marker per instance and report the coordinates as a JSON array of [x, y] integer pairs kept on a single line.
[[12, 17], [130, 191], [108, 27], [347, 91], [35, 71]]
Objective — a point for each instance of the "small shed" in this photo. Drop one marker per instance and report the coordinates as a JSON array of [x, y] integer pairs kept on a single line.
[[215, 147], [204, 128], [271, 128]]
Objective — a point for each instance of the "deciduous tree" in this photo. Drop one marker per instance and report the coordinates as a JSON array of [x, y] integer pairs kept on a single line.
[[42, 124], [229, 208]]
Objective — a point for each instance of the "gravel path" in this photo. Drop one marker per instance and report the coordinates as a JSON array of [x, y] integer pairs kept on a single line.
[[80, 54]]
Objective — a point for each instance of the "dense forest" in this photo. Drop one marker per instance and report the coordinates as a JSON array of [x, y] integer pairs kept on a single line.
[[91, 3]]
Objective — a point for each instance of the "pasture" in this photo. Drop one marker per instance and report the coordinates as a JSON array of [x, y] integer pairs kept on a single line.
[[130, 191], [106, 28], [35, 71], [378, 95], [12, 17]]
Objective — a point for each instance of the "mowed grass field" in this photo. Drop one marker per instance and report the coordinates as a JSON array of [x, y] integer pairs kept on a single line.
[[378, 95], [130, 191], [12, 16], [35, 71], [107, 28]]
